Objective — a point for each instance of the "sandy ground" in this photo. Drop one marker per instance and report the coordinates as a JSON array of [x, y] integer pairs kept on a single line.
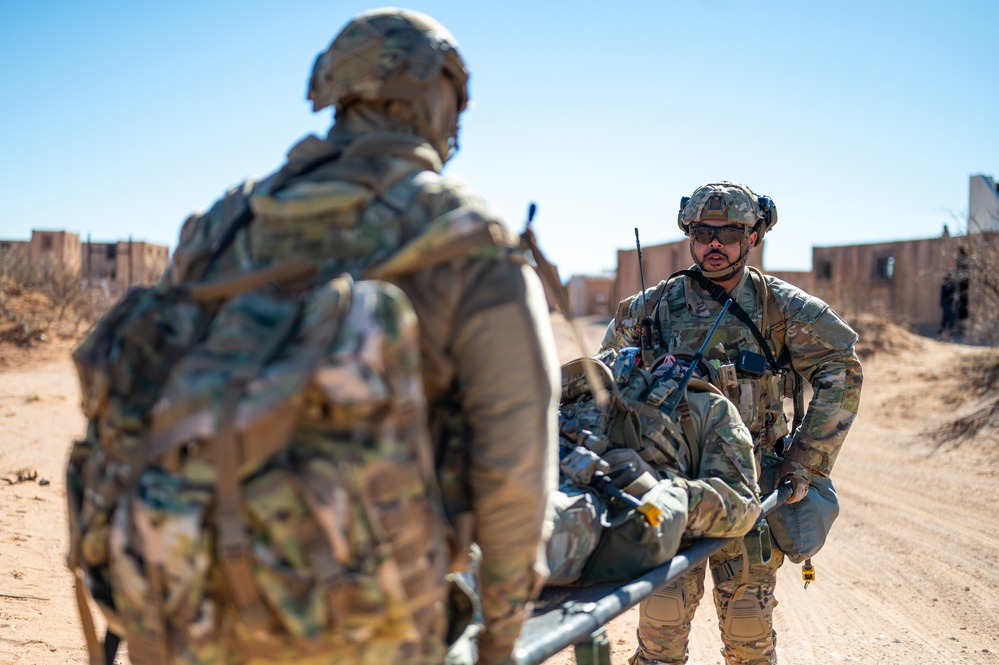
[[910, 575]]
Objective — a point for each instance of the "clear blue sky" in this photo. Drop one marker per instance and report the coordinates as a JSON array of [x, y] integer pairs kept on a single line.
[[863, 120]]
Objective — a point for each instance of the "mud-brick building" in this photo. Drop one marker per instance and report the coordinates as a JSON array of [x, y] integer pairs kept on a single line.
[[59, 246], [114, 265], [903, 278], [123, 263], [591, 295], [900, 279]]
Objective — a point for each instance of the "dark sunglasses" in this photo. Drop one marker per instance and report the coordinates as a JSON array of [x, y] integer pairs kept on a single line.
[[726, 235]]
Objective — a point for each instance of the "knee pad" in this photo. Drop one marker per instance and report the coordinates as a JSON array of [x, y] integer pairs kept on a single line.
[[665, 606], [744, 619]]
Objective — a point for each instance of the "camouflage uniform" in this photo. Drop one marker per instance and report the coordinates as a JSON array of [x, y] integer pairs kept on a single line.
[[708, 460], [369, 200], [820, 346]]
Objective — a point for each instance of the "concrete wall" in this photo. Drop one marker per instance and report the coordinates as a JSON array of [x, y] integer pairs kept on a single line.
[[591, 295], [900, 279], [983, 204]]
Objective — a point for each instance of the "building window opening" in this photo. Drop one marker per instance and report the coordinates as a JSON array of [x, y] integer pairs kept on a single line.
[[111, 252], [46, 243], [884, 267], [824, 271]]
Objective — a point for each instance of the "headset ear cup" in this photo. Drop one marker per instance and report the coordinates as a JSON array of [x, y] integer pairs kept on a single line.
[[767, 208], [769, 213]]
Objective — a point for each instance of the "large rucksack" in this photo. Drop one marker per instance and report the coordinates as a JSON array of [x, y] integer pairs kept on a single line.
[[256, 478]]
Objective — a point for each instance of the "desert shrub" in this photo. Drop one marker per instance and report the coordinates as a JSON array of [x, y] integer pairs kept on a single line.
[[44, 299]]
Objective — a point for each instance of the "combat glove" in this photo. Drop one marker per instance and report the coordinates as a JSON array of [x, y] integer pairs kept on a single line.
[[799, 475], [629, 471]]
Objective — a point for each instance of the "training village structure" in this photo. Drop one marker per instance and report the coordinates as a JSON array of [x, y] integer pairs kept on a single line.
[[900, 278], [116, 266]]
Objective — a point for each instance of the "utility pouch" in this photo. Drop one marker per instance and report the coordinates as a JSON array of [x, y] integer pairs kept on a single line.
[[759, 547], [727, 380]]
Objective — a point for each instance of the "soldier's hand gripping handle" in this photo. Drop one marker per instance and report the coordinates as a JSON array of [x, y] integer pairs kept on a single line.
[[652, 514], [798, 475]]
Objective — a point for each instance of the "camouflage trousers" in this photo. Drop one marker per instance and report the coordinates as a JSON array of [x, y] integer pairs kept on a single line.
[[744, 605]]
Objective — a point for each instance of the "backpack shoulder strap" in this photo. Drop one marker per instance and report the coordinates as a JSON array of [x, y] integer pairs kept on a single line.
[[674, 300], [774, 324]]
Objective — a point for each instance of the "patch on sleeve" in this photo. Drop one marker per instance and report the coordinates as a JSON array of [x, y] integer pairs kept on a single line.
[[830, 330]]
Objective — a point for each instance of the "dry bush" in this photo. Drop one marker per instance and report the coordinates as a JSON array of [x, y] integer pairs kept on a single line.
[[977, 262], [980, 378], [982, 271], [43, 300]]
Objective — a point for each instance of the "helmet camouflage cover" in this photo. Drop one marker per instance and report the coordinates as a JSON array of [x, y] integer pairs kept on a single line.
[[729, 202], [392, 54]]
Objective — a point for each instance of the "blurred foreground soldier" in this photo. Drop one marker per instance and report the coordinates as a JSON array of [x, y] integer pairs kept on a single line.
[[629, 498], [756, 357], [345, 559], [398, 84]]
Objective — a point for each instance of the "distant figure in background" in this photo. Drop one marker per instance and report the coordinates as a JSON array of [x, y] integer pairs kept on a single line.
[[961, 303], [948, 297]]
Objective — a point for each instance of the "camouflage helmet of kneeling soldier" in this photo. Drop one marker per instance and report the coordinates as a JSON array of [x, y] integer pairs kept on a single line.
[[734, 204]]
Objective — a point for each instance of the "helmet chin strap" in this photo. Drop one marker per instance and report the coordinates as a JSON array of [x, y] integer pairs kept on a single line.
[[725, 273]]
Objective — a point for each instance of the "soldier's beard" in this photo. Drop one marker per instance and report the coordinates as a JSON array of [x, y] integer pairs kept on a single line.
[[724, 273]]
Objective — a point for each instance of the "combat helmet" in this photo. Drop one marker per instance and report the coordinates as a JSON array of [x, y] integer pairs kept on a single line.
[[733, 203], [389, 54]]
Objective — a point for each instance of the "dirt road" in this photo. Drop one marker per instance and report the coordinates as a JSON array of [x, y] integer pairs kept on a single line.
[[910, 575]]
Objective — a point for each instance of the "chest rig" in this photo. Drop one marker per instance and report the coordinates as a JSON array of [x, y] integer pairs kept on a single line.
[[747, 358]]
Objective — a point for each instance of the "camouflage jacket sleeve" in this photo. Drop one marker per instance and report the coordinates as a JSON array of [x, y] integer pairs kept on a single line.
[[723, 498], [822, 351], [625, 329], [487, 336]]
